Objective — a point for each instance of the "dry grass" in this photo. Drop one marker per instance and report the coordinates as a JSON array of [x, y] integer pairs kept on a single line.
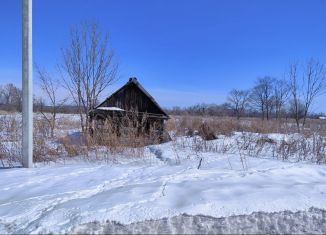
[[112, 137], [130, 139], [191, 125], [249, 137], [10, 140], [127, 134]]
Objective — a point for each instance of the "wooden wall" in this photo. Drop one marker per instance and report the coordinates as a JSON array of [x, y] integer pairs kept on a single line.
[[131, 98]]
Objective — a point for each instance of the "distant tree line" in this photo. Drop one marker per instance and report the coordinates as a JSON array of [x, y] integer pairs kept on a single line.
[[11, 101], [201, 110], [289, 97]]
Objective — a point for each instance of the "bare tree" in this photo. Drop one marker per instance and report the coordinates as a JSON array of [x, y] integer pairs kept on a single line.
[[87, 68], [38, 103], [2, 95], [11, 95], [314, 84], [295, 104], [238, 100], [296, 110], [281, 93], [7, 93], [50, 87], [261, 96], [304, 91]]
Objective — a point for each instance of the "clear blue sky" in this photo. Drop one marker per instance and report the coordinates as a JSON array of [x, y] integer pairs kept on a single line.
[[183, 51]]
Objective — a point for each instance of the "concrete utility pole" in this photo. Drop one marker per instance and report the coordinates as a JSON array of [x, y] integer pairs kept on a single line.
[[27, 145]]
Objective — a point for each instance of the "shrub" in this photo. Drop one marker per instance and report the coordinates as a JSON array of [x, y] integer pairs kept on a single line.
[[206, 132]]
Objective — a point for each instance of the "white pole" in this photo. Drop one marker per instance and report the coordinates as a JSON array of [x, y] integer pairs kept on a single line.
[[27, 144]]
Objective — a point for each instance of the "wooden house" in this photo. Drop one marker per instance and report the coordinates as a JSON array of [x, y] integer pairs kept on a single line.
[[131, 100]]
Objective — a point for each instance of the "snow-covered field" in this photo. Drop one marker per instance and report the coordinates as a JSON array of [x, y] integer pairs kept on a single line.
[[242, 183], [63, 197]]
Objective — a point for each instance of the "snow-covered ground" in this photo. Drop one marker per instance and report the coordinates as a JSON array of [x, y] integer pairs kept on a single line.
[[61, 197], [312, 221]]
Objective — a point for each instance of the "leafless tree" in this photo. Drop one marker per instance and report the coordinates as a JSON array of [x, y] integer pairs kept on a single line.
[[304, 91], [314, 84], [38, 103], [261, 96], [88, 67], [50, 87], [238, 100], [11, 95], [295, 104], [281, 93], [296, 110], [2, 95]]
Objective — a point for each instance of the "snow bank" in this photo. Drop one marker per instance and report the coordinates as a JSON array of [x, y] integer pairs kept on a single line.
[[312, 221]]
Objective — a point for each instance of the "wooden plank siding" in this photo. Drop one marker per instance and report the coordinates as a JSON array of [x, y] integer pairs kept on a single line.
[[131, 99]]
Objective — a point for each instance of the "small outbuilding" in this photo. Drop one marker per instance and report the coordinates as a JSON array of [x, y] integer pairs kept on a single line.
[[131, 101]]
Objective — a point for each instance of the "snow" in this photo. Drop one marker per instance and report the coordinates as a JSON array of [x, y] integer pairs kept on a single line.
[[59, 197], [110, 108], [312, 221]]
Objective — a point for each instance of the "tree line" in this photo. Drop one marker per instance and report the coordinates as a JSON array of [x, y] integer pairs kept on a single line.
[[290, 97]]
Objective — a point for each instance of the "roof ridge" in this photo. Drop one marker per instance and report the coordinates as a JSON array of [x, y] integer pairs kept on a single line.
[[133, 80]]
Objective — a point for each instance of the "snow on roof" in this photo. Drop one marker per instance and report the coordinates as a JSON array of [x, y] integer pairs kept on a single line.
[[110, 108]]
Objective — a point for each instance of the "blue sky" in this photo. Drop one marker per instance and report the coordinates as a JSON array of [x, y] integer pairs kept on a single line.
[[183, 51]]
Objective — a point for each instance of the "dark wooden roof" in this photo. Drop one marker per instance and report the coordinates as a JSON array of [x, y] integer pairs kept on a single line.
[[133, 97]]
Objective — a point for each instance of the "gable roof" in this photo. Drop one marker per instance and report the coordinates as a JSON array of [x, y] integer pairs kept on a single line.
[[135, 82]]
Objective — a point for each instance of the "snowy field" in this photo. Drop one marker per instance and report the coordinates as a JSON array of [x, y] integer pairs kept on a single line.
[[76, 195], [239, 183]]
